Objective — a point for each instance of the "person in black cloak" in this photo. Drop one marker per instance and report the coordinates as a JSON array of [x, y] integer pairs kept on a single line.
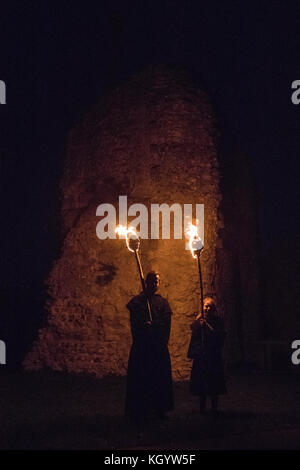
[[149, 379], [205, 348]]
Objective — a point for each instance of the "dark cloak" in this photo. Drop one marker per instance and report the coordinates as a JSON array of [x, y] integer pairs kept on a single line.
[[207, 375], [149, 377]]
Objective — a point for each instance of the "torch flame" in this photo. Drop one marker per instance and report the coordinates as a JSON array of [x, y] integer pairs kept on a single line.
[[131, 237], [195, 242]]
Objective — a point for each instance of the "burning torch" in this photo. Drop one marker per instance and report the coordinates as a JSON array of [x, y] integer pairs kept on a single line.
[[196, 247], [133, 244]]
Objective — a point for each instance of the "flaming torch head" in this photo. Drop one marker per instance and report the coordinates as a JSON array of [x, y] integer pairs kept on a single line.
[[132, 238], [197, 247], [195, 243], [133, 242]]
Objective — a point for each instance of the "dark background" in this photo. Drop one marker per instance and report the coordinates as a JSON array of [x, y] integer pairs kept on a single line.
[[59, 58]]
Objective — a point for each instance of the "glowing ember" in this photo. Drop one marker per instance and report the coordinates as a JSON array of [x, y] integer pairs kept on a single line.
[[195, 242], [132, 238]]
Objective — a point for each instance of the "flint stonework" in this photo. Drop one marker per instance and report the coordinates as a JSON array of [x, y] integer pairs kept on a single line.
[[154, 140]]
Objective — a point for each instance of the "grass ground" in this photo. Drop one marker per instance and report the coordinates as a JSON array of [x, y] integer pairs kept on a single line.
[[51, 410]]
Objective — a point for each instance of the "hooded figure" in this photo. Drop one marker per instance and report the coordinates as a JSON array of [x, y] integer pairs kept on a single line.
[[149, 378], [207, 375]]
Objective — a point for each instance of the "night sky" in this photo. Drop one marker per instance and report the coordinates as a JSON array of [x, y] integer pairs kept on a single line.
[[59, 58]]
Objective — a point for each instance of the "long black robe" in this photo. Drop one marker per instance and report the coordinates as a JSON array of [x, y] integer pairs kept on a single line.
[[207, 375], [149, 378]]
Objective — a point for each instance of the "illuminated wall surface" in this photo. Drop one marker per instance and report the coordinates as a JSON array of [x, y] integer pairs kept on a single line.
[[152, 139]]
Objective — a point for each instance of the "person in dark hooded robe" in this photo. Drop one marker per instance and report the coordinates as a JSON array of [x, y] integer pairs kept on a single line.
[[149, 389], [205, 348]]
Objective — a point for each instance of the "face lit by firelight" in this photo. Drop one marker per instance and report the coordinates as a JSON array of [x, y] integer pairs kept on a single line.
[[208, 306], [152, 282]]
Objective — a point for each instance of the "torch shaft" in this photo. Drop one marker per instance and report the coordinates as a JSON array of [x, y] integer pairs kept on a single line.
[[201, 283], [138, 260], [201, 295]]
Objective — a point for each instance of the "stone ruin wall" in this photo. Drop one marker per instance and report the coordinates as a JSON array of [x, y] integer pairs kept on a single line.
[[152, 139]]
